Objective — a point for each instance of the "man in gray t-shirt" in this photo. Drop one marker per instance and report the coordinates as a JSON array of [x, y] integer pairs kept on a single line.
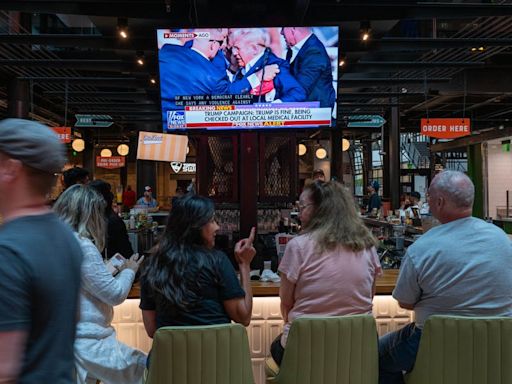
[[462, 267]]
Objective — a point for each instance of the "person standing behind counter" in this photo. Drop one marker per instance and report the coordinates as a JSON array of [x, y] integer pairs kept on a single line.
[[330, 269], [413, 211], [129, 197], [117, 235], [374, 202], [147, 200]]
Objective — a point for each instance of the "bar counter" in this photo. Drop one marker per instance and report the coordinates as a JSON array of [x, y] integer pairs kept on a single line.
[[266, 320], [385, 286]]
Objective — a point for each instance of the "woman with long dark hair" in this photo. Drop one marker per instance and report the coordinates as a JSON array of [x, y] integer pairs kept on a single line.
[[185, 281], [330, 269]]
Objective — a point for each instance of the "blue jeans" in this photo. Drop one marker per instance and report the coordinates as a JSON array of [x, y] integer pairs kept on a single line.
[[397, 353]]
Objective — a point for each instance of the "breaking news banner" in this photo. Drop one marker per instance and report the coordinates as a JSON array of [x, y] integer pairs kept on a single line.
[[285, 115], [230, 78]]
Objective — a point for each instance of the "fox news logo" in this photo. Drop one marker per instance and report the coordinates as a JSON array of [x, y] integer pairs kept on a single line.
[[175, 119]]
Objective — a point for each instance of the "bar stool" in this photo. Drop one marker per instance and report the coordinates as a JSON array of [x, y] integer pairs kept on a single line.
[[461, 350], [328, 350], [196, 355]]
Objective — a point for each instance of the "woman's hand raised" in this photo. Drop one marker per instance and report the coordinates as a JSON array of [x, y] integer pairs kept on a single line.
[[134, 262], [244, 251]]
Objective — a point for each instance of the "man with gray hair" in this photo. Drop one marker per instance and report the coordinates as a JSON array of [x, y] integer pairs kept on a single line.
[[250, 47], [462, 267], [39, 260]]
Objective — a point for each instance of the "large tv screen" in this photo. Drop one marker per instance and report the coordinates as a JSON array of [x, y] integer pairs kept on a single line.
[[246, 78]]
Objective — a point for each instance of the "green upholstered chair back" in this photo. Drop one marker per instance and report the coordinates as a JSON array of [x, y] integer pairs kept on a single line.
[[215, 354], [464, 350], [330, 350]]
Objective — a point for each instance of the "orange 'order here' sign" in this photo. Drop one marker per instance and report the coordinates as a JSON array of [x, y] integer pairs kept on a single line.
[[110, 162], [64, 134], [446, 128]]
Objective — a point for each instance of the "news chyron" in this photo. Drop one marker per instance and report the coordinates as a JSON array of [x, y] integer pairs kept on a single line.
[[248, 78]]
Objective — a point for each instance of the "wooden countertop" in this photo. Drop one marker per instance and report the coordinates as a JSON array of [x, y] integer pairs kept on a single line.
[[385, 285]]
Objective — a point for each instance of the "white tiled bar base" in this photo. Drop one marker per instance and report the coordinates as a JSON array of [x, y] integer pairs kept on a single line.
[[265, 325]]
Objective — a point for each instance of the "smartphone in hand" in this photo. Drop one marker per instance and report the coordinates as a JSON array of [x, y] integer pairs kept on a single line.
[[115, 264]]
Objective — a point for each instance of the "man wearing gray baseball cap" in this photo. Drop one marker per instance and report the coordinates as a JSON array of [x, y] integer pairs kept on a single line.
[[39, 260]]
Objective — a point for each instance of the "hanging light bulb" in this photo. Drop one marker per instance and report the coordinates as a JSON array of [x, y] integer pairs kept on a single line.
[[140, 57], [106, 152], [78, 145], [365, 29], [321, 153], [302, 149], [123, 149], [122, 27], [345, 145]]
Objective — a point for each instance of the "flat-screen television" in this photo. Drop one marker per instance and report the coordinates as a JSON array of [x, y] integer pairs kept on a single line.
[[247, 78]]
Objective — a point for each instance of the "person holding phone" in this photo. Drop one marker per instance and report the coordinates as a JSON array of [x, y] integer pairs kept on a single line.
[[186, 281], [98, 353]]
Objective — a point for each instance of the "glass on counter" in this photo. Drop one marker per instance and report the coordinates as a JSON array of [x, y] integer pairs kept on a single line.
[[428, 221]]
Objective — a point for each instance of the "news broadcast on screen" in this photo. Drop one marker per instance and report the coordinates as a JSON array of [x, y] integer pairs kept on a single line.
[[247, 78]]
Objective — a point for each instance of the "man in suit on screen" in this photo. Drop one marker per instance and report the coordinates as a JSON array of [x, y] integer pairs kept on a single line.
[[310, 64], [250, 48], [193, 70]]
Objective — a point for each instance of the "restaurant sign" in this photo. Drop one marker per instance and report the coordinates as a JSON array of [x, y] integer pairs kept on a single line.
[[178, 167], [446, 128], [64, 134], [111, 162]]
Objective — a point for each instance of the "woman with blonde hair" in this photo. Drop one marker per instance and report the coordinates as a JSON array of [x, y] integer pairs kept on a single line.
[[98, 354], [330, 269]]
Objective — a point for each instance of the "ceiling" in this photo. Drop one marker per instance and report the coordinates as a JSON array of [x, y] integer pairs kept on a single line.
[[437, 59]]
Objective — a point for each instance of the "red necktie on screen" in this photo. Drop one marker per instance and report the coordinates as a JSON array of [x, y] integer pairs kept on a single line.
[[262, 89]]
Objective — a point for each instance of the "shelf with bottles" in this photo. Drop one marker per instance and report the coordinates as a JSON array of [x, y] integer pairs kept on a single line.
[[268, 220], [228, 220]]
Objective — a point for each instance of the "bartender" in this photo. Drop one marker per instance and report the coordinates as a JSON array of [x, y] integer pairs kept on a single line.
[[147, 200], [374, 201], [413, 211]]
